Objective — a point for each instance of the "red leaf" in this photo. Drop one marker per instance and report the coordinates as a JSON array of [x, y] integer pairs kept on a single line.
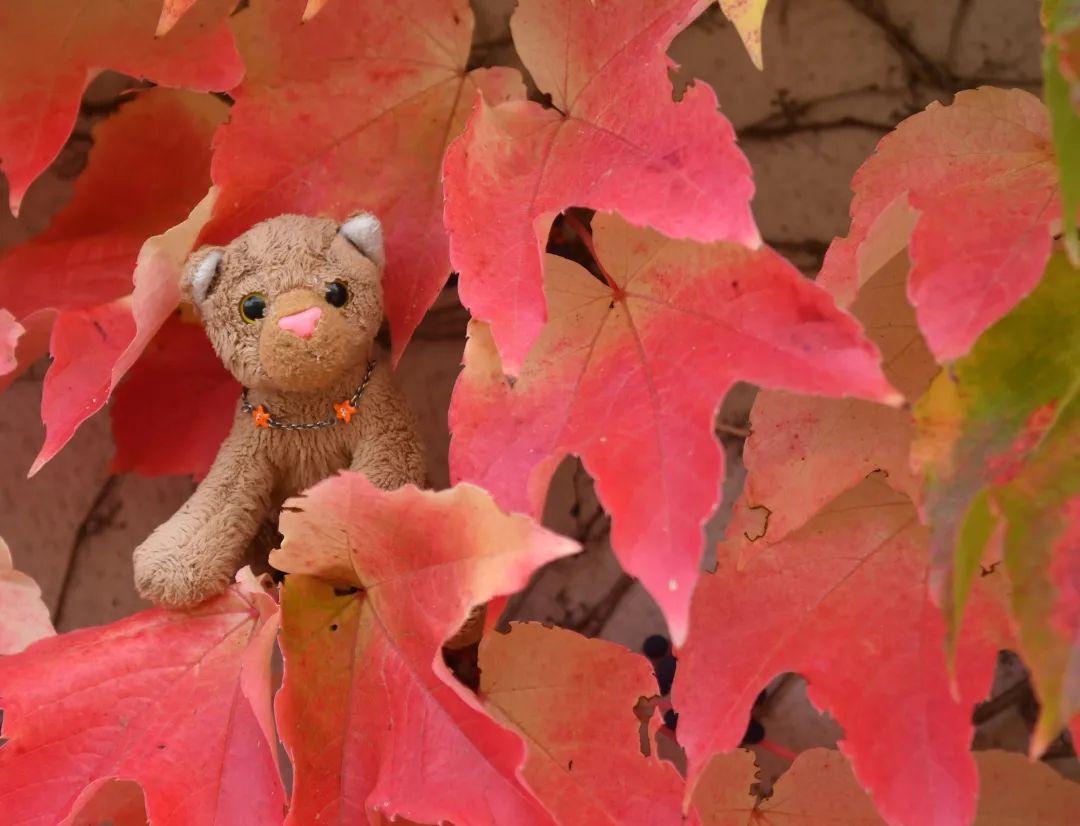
[[49, 52], [416, 743], [980, 177], [175, 408], [94, 349], [573, 700], [24, 617], [630, 378], [84, 344], [149, 165], [845, 593], [615, 141], [158, 699], [353, 110]]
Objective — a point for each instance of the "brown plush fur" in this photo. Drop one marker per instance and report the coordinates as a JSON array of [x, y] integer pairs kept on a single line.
[[290, 260]]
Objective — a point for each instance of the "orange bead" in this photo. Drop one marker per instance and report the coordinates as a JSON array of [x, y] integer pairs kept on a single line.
[[261, 417], [345, 410]]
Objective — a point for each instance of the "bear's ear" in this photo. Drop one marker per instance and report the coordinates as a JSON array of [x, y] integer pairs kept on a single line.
[[200, 273], [364, 232]]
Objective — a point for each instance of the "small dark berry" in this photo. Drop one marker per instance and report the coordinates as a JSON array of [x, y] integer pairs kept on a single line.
[[655, 647]]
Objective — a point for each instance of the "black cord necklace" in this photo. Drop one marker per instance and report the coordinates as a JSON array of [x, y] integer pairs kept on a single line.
[[343, 411]]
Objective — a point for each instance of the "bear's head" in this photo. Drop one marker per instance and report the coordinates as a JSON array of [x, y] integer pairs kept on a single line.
[[293, 303]]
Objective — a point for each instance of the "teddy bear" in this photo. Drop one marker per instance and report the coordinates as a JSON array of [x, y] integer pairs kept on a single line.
[[292, 308]]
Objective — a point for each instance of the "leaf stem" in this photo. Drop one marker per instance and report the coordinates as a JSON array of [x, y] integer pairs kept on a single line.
[[777, 749], [586, 238]]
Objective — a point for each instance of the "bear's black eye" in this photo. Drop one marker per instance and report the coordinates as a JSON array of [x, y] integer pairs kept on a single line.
[[337, 294], [252, 307]]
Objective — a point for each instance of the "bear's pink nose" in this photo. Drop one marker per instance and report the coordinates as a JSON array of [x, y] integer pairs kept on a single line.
[[303, 323]]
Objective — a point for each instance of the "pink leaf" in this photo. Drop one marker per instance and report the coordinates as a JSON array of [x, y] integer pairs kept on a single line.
[[615, 140], [629, 377], [980, 177], [416, 744], [845, 593]]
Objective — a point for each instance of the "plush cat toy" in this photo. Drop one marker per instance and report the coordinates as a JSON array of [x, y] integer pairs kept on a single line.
[[292, 307]]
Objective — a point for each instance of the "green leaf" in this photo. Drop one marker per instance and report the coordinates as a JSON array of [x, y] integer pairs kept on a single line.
[[1061, 91], [976, 531], [1041, 508], [999, 445]]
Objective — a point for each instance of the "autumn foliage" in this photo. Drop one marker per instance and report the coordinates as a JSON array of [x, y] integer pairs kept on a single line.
[[912, 501]]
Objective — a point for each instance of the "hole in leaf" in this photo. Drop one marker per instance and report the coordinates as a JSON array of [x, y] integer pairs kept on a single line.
[[565, 241], [464, 664]]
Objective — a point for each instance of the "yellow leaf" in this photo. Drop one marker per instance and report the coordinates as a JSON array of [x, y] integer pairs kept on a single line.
[[747, 16]]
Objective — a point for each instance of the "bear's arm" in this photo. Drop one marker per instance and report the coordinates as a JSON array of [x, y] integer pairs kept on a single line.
[[389, 451], [195, 554]]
